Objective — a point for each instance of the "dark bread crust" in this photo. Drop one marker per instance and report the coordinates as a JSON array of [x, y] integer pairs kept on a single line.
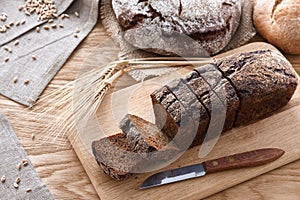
[[165, 105], [220, 96], [264, 80], [192, 114], [182, 115], [211, 23]]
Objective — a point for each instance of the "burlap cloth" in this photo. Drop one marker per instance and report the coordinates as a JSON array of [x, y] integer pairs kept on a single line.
[[244, 33], [52, 48], [11, 154]]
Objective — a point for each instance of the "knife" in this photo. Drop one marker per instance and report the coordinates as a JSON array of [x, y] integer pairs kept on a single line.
[[237, 161]]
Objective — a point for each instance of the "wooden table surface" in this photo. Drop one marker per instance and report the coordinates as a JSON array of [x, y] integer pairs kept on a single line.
[[62, 172]]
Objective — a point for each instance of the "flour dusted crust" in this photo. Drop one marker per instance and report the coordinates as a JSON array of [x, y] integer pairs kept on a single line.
[[279, 22], [152, 24]]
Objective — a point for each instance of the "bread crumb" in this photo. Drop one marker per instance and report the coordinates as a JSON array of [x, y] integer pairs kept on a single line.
[[38, 29], [17, 42], [6, 59], [32, 137], [29, 190], [61, 26], [33, 57], [46, 28], [75, 35]]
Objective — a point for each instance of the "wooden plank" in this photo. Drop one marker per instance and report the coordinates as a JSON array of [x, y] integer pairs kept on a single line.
[[280, 130]]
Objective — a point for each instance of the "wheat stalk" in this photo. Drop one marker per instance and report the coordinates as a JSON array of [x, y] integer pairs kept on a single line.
[[71, 103]]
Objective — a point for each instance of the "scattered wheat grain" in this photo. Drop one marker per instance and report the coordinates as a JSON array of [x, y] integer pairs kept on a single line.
[[18, 180], [16, 185], [19, 166], [20, 8], [3, 179], [77, 14], [17, 42], [15, 80], [26, 82]]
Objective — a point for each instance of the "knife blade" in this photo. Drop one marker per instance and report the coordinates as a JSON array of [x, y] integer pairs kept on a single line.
[[236, 161]]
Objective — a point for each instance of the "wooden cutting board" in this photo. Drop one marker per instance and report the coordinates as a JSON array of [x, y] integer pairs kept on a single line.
[[281, 130]]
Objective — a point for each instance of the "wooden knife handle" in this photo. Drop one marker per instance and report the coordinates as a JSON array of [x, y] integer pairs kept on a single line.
[[247, 159]]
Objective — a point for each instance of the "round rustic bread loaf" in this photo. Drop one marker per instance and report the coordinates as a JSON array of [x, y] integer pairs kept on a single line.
[[161, 26], [279, 22]]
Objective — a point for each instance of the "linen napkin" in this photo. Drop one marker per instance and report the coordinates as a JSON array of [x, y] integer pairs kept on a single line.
[[12, 154]]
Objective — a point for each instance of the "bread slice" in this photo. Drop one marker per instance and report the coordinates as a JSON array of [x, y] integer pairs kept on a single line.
[[114, 155], [146, 138], [180, 114], [142, 147], [264, 80], [220, 97]]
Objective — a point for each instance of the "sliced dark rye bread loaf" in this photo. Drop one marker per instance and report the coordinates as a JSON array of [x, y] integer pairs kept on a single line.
[[264, 80], [146, 138], [252, 85], [213, 94], [175, 115]]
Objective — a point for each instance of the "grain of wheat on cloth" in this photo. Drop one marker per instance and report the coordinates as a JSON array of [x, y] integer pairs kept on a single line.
[[34, 50]]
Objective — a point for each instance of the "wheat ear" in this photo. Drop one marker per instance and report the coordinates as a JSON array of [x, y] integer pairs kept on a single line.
[[80, 99]]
